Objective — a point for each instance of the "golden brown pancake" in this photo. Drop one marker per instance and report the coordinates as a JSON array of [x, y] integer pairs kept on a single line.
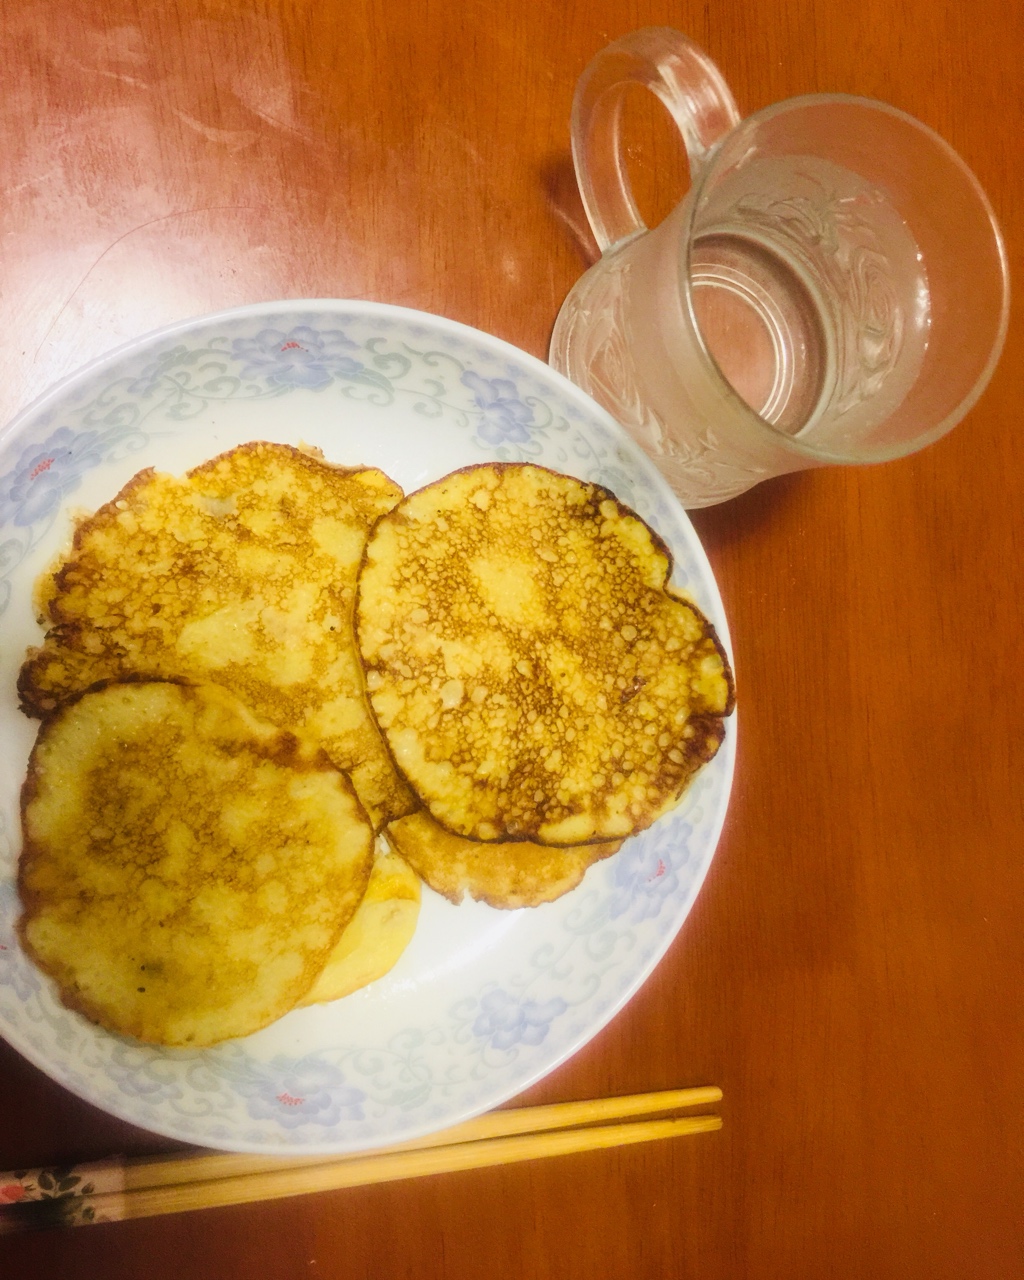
[[510, 874], [378, 933], [187, 869], [242, 573], [533, 677]]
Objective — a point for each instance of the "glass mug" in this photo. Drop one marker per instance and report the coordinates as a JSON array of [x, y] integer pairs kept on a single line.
[[833, 288]]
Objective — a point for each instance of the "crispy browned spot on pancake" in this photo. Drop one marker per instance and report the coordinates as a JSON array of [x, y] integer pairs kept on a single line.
[[187, 870], [532, 675], [381, 929], [242, 573], [513, 873]]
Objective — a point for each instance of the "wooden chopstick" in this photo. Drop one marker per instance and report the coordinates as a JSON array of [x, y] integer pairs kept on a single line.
[[366, 1170], [170, 1170], [359, 1171], [132, 1189], [123, 1174]]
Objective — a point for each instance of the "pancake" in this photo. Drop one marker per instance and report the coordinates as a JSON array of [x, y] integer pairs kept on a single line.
[[511, 874], [532, 675], [378, 933], [242, 573], [187, 869]]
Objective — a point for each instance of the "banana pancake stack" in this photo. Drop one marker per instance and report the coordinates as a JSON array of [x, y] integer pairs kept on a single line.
[[256, 674], [231, 585]]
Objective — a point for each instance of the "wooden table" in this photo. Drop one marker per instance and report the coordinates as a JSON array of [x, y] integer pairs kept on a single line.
[[852, 972]]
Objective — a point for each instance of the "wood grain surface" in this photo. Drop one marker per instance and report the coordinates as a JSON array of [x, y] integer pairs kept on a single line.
[[852, 972]]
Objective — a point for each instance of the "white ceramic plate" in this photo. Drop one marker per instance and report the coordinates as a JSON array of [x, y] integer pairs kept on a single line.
[[483, 1002]]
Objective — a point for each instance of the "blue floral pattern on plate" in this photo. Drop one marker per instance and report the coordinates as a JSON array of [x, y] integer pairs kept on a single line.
[[507, 996], [46, 474], [504, 416], [302, 357], [504, 1021], [298, 1093]]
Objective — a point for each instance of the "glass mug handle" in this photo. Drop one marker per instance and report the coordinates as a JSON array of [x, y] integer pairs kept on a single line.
[[687, 82]]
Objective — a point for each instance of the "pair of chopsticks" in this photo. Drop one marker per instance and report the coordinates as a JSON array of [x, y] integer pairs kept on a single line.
[[118, 1189]]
